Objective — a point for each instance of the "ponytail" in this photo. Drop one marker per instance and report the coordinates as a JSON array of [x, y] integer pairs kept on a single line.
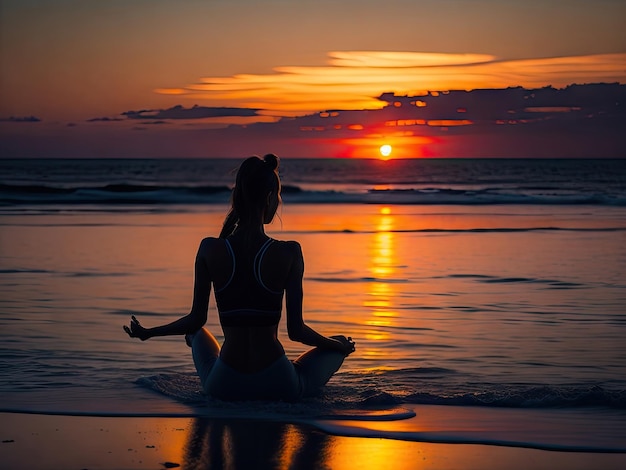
[[230, 224], [255, 179]]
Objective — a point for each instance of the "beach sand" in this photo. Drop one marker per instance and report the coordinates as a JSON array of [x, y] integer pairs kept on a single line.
[[33, 441]]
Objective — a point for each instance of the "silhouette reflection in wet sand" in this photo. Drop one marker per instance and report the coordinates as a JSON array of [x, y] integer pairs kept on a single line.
[[241, 443]]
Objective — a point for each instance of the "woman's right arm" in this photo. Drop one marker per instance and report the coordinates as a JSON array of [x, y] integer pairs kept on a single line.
[[296, 328], [197, 317]]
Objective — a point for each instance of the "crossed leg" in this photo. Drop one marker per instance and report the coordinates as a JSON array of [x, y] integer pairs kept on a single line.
[[205, 350], [315, 367]]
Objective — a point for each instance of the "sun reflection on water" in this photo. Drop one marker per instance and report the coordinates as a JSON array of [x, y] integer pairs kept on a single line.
[[380, 292]]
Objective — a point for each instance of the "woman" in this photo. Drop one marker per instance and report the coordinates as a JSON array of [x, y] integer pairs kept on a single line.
[[250, 273]]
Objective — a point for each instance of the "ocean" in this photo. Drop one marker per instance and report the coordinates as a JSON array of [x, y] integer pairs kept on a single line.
[[490, 285]]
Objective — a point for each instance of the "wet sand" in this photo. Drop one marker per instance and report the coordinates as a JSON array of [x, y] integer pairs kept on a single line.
[[32, 441]]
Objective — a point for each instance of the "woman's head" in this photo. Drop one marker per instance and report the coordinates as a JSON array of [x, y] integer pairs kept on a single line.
[[256, 194]]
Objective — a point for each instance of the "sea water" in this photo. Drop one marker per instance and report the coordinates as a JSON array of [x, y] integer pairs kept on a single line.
[[483, 284]]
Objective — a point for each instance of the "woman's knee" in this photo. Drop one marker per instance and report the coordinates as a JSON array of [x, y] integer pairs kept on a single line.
[[320, 356], [316, 367], [205, 341], [205, 350]]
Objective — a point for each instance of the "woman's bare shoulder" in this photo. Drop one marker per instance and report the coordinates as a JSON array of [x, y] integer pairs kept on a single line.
[[210, 242], [211, 246], [290, 246]]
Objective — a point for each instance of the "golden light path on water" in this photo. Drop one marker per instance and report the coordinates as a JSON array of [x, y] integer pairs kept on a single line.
[[380, 292]]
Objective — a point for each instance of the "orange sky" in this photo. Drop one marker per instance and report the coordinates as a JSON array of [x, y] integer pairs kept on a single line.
[[79, 66], [354, 79]]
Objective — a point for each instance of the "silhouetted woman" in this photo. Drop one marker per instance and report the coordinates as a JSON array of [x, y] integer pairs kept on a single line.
[[250, 273]]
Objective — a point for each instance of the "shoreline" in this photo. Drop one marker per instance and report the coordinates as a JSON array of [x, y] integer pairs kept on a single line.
[[44, 441]]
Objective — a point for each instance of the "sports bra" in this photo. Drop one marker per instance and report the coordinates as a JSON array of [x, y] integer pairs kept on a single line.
[[245, 300]]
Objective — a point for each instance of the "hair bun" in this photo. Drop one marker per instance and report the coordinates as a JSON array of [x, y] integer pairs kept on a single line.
[[271, 160]]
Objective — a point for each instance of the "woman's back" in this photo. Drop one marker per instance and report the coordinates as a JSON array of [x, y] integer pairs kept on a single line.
[[250, 278], [245, 299]]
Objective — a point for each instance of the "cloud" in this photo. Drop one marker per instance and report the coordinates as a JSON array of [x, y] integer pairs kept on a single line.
[[104, 119], [371, 59], [353, 79], [575, 121], [20, 119], [195, 112]]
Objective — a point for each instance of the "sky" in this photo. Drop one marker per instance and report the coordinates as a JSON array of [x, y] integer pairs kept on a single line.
[[165, 78]]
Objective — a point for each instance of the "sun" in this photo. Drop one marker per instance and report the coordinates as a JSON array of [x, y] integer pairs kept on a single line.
[[385, 151]]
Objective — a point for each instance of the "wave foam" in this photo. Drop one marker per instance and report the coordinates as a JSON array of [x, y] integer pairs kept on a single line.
[[113, 194]]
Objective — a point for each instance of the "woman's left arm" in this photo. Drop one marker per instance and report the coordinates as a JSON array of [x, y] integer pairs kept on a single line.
[[191, 322]]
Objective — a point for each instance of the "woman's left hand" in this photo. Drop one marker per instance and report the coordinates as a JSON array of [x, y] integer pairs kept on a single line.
[[136, 330], [348, 343]]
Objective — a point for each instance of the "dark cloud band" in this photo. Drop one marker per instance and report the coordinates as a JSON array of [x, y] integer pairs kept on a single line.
[[195, 112]]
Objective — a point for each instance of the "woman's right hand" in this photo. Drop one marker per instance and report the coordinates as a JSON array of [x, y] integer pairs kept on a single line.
[[136, 330], [347, 343]]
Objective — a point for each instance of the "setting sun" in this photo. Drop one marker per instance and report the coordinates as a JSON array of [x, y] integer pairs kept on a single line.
[[385, 151]]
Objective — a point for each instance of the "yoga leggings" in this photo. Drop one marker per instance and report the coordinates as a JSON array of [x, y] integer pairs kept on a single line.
[[281, 380]]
